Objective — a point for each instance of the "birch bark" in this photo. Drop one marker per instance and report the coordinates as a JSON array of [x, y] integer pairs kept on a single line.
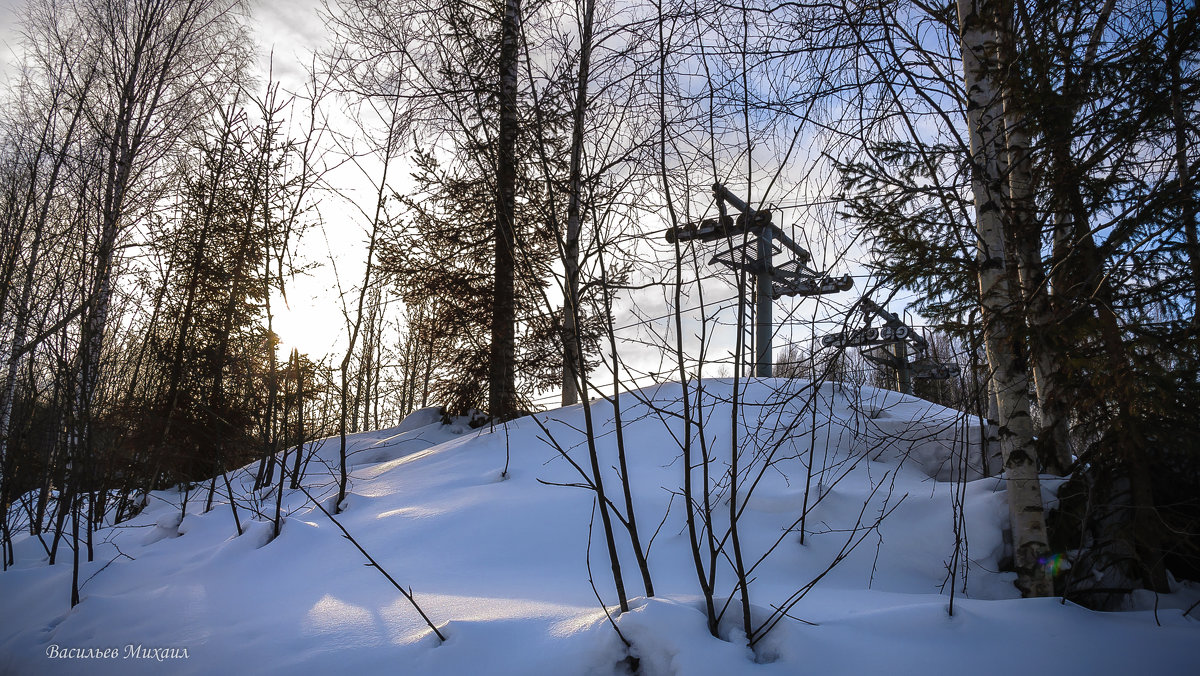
[[1005, 347], [1054, 438]]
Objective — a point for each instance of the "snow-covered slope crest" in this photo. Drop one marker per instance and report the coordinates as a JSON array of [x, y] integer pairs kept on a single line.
[[500, 560]]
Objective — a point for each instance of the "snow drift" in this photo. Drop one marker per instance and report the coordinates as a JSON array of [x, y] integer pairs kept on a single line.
[[500, 561]]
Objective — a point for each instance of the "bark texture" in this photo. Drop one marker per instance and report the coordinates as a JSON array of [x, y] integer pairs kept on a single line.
[[1001, 321], [501, 376]]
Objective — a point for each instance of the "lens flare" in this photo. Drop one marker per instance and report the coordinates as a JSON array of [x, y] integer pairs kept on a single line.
[[1052, 563]]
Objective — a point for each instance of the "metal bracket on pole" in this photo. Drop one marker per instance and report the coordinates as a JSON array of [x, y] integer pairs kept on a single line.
[[871, 342], [791, 278]]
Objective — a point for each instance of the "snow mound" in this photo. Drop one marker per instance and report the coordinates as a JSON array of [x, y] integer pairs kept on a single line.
[[423, 417], [847, 499]]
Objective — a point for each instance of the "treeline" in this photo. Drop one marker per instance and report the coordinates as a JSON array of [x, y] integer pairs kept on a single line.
[[151, 201]]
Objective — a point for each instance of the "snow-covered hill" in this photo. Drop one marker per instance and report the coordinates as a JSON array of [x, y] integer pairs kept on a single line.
[[499, 563]]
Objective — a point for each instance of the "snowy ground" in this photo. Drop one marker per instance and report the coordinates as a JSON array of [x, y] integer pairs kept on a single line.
[[499, 563]]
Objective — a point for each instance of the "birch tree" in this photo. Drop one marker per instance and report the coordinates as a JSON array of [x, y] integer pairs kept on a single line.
[[1025, 232], [999, 300]]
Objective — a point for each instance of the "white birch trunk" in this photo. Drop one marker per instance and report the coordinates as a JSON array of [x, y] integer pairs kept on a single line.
[[998, 299], [991, 440], [1026, 231]]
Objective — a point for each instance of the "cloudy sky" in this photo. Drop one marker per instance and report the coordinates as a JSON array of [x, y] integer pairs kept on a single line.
[[7, 32], [291, 26]]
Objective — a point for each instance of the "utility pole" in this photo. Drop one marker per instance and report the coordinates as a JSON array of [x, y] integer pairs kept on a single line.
[[791, 278], [763, 325]]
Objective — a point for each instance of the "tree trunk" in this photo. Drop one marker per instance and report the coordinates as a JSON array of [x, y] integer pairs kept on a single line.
[[501, 375], [1179, 121], [1005, 347], [572, 352], [356, 325], [299, 420], [1054, 440]]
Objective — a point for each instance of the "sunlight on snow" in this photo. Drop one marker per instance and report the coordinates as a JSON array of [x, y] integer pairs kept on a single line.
[[398, 624], [483, 608], [414, 512], [333, 616]]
